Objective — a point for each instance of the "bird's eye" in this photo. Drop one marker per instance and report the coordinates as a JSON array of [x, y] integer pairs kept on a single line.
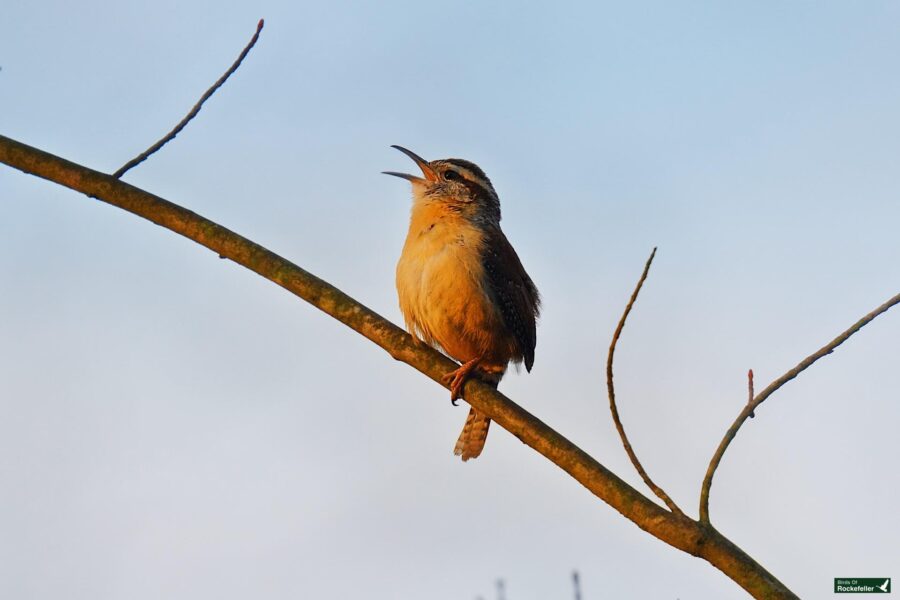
[[450, 175]]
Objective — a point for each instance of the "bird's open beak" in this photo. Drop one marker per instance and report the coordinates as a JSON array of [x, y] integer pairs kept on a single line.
[[429, 173]]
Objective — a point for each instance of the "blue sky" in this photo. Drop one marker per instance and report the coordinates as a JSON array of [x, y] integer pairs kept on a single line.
[[174, 426]]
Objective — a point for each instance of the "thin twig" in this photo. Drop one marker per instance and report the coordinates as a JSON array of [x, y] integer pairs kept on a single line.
[[749, 409], [181, 125], [750, 390], [611, 390]]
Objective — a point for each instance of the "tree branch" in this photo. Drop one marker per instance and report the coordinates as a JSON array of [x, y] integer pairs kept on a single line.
[[611, 392], [749, 409], [676, 530], [193, 112]]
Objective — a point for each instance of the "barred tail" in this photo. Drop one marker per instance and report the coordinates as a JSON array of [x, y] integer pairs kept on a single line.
[[474, 434]]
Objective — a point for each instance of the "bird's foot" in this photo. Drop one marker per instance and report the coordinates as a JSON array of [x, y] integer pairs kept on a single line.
[[457, 379]]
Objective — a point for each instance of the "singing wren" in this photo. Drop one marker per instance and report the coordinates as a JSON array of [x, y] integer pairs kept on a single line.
[[462, 287]]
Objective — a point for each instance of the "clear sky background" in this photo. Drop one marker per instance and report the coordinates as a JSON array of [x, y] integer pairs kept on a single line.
[[174, 426]]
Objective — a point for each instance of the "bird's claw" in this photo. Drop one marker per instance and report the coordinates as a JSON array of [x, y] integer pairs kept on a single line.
[[456, 379], [450, 379]]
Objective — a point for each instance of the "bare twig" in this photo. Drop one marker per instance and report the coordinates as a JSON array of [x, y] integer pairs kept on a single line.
[[676, 530], [193, 113], [750, 390], [749, 409], [611, 390]]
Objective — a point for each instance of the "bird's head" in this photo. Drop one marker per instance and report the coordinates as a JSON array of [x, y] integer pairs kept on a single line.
[[459, 185]]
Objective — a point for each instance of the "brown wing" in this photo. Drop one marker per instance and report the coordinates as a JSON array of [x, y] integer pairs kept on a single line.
[[515, 293]]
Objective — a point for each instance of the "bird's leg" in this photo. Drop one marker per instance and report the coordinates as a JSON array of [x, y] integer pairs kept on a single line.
[[457, 379]]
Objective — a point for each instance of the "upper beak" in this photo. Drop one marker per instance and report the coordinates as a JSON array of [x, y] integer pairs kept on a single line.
[[429, 173]]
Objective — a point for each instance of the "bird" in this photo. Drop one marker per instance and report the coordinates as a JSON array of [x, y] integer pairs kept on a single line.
[[461, 286]]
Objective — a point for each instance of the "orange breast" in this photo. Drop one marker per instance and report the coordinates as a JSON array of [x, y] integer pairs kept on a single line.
[[440, 283]]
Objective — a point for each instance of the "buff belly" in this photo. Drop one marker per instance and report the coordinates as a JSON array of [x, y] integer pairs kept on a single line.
[[440, 283]]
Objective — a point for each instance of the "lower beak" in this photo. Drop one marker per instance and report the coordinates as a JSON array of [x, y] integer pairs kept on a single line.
[[412, 178], [429, 173]]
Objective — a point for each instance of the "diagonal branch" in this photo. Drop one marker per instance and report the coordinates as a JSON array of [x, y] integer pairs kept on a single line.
[[676, 530], [611, 391], [193, 112], [749, 409]]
